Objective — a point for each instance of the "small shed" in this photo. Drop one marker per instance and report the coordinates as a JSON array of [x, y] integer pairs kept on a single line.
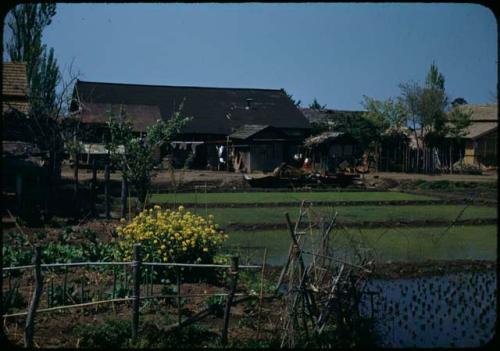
[[328, 150], [258, 147]]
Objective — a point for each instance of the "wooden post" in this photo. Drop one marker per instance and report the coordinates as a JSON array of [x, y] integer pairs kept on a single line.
[[106, 191], [35, 300], [234, 274], [19, 190], [93, 187], [75, 175], [124, 197], [136, 266]]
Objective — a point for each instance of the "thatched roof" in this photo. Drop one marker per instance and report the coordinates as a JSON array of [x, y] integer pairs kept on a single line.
[[484, 119], [322, 138], [14, 87]]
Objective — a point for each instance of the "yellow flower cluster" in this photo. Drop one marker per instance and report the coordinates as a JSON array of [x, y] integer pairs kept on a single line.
[[170, 236]]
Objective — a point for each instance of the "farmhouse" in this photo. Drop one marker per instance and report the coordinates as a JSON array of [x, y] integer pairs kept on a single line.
[[481, 147], [22, 160], [257, 129]]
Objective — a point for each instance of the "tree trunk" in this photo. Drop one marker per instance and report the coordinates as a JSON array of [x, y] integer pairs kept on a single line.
[[124, 197]]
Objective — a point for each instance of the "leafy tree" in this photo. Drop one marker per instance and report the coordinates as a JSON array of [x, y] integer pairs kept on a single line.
[[458, 101], [135, 154], [385, 114], [26, 23], [316, 105]]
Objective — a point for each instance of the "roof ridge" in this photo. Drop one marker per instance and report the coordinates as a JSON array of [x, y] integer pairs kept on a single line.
[[176, 86]]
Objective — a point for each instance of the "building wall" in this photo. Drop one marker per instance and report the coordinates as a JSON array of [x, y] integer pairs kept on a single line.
[[483, 150], [266, 157]]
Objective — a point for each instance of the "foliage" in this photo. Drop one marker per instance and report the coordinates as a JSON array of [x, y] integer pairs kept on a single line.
[[12, 298], [113, 332], [26, 23], [215, 305], [384, 114], [250, 281], [170, 236], [315, 105], [137, 159], [116, 333], [458, 121]]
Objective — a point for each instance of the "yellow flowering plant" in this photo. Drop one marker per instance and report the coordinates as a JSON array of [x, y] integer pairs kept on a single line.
[[170, 236]]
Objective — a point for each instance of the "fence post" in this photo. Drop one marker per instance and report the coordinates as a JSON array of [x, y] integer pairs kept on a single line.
[[93, 186], [106, 190], [136, 272], [179, 309], [234, 278], [19, 191], [35, 300]]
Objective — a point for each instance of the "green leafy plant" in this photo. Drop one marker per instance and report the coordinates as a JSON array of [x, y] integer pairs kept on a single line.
[[216, 304]]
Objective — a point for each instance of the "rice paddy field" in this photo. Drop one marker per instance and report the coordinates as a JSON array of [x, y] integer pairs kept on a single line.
[[383, 244], [351, 214], [273, 197], [453, 310], [446, 310]]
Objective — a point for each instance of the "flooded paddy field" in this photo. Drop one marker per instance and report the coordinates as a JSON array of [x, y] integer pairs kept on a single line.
[[450, 310]]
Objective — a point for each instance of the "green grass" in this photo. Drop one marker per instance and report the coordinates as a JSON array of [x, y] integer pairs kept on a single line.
[[226, 216], [398, 244], [270, 197]]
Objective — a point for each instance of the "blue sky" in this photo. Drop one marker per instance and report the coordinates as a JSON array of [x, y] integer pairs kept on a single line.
[[334, 52]]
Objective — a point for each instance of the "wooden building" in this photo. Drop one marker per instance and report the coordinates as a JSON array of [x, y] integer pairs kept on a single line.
[[22, 161], [217, 114], [481, 148]]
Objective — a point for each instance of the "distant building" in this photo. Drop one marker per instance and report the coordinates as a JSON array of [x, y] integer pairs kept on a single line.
[[481, 147], [221, 118]]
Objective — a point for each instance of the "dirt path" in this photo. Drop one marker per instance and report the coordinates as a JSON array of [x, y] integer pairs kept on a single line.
[[490, 177]]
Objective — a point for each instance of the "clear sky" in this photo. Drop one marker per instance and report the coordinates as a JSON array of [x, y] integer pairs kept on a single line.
[[334, 52]]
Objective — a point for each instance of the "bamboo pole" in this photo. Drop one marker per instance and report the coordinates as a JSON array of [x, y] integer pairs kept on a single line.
[[106, 191]]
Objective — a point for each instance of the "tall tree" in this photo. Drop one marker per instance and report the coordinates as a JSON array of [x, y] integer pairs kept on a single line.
[[26, 23]]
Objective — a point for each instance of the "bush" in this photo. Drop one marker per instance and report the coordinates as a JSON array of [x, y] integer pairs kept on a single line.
[[108, 334], [170, 236]]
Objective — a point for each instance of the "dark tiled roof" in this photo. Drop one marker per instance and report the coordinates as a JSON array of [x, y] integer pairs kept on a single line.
[[328, 115], [215, 110], [14, 87], [247, 130], [97, 113]]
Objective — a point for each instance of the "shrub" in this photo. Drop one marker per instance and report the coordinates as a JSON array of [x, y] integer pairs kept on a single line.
[[108, 334], [170, 236]]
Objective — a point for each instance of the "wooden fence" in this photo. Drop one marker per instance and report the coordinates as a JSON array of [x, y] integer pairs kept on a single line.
[[136, 264]]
